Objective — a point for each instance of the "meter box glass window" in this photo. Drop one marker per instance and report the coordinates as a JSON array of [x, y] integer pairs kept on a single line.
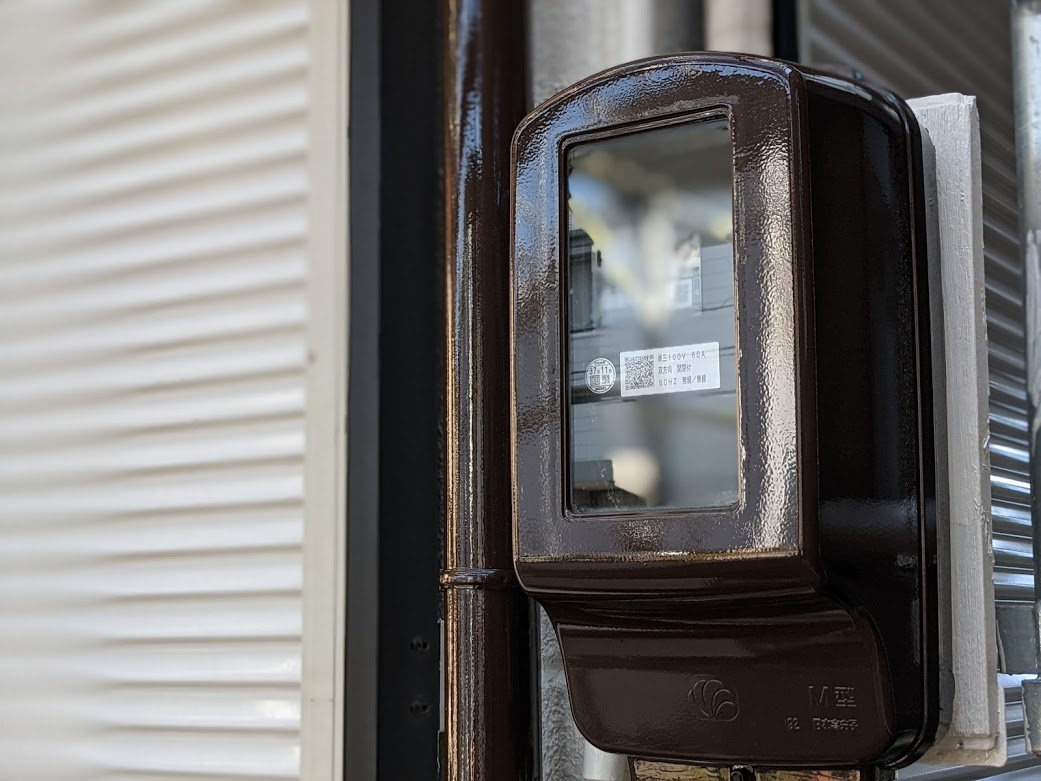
[[651, 352]]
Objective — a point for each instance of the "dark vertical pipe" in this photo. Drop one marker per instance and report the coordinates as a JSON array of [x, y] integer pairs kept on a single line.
[[486, 665]]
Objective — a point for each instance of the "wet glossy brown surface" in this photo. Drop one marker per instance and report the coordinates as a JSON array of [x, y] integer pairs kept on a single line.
[[769, 235], [877, 487], [799, 627], [486, 668]]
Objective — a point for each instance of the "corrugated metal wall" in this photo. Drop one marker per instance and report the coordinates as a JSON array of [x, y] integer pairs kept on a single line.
[[152, 348], [928, 47]]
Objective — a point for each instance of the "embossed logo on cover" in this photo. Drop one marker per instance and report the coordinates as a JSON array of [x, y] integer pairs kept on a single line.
[[714, 701]]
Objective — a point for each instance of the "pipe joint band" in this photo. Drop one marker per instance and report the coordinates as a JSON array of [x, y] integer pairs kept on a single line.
[[490, 579]]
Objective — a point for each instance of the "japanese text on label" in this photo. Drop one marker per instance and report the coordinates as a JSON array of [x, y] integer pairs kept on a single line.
[[686, 367]]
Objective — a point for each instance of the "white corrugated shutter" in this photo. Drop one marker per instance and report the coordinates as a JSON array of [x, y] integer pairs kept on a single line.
[[929, 47], [153, 227]]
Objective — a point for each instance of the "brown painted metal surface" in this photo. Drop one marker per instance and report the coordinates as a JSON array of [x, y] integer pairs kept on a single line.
[[486, 666], [797, 628], [765, 103]]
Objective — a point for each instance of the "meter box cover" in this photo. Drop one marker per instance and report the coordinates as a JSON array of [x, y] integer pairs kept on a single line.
[[725, 445]]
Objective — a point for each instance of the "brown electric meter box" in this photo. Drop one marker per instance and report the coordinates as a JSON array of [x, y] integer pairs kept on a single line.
[[725, 447]]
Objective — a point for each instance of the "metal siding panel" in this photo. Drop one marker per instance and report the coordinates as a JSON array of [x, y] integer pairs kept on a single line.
[[153, 263], [932, 47]]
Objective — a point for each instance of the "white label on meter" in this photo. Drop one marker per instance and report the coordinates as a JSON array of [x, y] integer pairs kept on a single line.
[[686, 367]]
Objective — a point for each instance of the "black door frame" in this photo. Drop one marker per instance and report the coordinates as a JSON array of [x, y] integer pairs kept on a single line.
[[395, 389]]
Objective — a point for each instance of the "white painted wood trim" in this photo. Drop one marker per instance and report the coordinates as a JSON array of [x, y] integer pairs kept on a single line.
[[977, 730], [325, 461]]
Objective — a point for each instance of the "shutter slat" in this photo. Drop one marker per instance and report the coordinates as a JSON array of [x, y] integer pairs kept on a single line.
[[257, 232], [198, 84], [172, 52], [97, 29], [92, 187], [157, 410], [145, 213], [146, 135]]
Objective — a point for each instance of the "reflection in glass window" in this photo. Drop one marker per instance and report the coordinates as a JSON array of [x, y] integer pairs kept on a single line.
[[652, 360]]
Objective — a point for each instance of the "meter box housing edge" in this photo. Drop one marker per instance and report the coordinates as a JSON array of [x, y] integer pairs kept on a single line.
[[724, 441]]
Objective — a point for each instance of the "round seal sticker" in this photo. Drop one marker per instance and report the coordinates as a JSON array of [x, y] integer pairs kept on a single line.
[[600, 374]]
